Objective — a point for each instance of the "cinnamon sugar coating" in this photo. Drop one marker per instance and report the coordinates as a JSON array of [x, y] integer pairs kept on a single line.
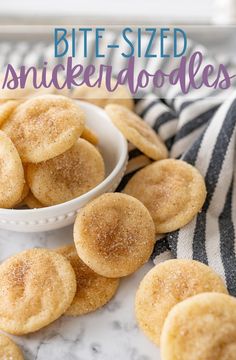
[[68, 175], [31, 201], [36, 287], [166, 285], [202, 327], [114, 235], [137, 131], [11, 173], [93, 290], [90, 136], [6, 109], [44, 127], [8, 349], [172, 190]]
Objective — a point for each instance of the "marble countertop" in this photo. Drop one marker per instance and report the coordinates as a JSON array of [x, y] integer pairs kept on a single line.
[[110, 333]]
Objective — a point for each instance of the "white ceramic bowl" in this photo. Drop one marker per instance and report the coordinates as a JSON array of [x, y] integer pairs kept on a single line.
[[113, 147]]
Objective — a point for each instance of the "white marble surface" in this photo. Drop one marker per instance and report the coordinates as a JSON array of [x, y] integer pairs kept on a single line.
[[110, 333]]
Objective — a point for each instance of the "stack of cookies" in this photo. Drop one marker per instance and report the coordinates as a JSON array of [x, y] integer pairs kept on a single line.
[[181, 305], [114, 235], [44, 144]]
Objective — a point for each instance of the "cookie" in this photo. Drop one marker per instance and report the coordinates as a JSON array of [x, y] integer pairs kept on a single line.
[[31, 201], [11, 173], [44, 127], [9, 350], [172, 190], [167, 284], [202, 327], [138, 132], [90, 136], [101, 97], [24, 194], [93, 290], [68, 175], [114, 235], [36, 287], [25, 191], [6, 109]]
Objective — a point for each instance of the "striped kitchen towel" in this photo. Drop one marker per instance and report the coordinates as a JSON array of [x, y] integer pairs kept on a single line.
[[203, 134], [200, 130]]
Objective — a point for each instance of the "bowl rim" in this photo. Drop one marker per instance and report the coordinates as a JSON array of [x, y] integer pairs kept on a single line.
[[121, 162]]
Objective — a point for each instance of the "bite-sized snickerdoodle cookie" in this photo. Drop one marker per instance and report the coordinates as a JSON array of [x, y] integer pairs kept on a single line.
[[36, 287], [101, 97], [44, 127], [8, 349], [90, 136], [202, 327], [138, 132], [31, 201], [6, 109], [172, 190], [11, 173], [25, 192], [68, 175], [167, 284], [93, 290], [114, 235]]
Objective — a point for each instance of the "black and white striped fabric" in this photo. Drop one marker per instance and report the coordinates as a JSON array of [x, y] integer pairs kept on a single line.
[[204, 136], [199, 129]]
